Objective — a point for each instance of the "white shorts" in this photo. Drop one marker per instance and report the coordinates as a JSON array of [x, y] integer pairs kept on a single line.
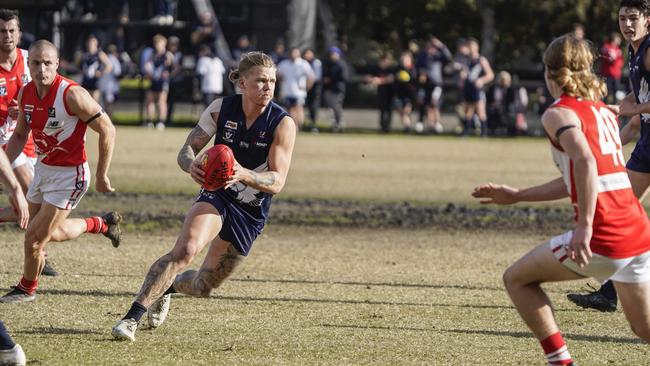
[[629, 270], [23, 159], [61, 186]]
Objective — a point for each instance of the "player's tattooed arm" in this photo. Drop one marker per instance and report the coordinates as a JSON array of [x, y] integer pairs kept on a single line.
[[196, 140], [201, 283], [263, 179]]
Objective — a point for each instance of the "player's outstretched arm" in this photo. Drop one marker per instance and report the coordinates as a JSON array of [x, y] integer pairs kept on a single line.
[[82, 105], [502, 194], [279, 160], [16, 196]]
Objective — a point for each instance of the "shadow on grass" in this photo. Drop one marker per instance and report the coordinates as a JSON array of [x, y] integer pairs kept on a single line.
[[490, 332], [59, 331], [356, 302], [91, 293]]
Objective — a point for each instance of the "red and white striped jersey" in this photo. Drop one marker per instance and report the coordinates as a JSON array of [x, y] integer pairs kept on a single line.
[[10, 83], [621, 228], [59, 136]]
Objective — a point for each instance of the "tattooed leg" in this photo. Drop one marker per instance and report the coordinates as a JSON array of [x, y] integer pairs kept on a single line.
[[200, 227], [219, 264]]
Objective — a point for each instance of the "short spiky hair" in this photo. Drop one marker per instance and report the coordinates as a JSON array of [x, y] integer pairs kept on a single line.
[[9, 14], [642, 5]]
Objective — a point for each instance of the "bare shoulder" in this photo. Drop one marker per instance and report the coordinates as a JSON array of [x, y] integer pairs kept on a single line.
[[286, 127], [76, 93], [555, 118]]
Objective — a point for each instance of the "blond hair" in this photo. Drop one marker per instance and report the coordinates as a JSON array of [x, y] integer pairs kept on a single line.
[[569, 62], [248, 61]]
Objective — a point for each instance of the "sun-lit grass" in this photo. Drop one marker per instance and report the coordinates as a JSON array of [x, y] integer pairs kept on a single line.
[[309, 296], [360, 167]]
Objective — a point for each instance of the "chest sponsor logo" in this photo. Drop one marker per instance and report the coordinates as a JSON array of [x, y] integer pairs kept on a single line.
[[243, 144], [228, 135], [231, 125], [51, 112], [261, 144], [25, 78], [3, 90], [53, 125]]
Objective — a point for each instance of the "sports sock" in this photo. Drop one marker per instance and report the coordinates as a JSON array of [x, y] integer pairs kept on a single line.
[[170, 290], [95, 225], [608, 290], [136, 312], [6, 343], [555, 350], [27, 286]]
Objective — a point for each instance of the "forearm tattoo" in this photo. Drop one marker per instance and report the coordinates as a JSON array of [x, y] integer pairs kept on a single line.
[[160, 276], [196, 140], [263, 179], [200, 283]]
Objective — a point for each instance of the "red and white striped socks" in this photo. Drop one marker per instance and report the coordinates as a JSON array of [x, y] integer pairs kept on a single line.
[[95, 225], [555, 350]]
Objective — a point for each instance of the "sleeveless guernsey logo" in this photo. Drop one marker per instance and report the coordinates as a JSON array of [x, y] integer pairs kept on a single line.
[[51, 112], [47, 144], [249, 195], [25, 78]]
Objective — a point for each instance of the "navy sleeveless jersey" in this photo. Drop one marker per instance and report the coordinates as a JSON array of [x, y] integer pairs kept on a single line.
[[475, 70], [250, 147], [90, 64], [640, 80]]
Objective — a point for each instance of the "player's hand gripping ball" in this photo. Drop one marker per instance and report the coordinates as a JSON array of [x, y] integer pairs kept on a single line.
[[218, 164]]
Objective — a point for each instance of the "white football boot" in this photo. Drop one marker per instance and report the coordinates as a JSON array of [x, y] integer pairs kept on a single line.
[[157, 312], [125, 329], [13, 357]]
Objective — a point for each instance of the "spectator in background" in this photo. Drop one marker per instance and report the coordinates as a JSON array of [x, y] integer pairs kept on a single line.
[[335, 75], [109, 83], [405, 88], [458, 67], [506, 107], [205, 32], [244, 45], [93, 64], [157, 69], [479, 74], [297, 78], [314, 93], [165, 10], [611, 66], [544, 99], [210, 69], [175, 77], [279, 53], [578, 31], [383, 77], [431, 62]]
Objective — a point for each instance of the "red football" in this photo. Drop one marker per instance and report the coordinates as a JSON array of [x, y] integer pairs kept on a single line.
[[218, 163]]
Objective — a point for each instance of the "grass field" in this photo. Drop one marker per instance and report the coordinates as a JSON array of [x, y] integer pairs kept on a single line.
[[313, 294]]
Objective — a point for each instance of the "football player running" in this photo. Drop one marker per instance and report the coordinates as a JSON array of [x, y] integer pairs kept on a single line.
[[262, 137]]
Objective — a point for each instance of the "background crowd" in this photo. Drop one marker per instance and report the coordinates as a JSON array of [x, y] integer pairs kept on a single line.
[[414, 85]]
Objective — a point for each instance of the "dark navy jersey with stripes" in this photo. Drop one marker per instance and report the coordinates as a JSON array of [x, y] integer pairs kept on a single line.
[[640, 81], [250, 146]]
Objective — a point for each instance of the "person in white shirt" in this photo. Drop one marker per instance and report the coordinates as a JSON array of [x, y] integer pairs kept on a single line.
[[211, 69], [297, 78]]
